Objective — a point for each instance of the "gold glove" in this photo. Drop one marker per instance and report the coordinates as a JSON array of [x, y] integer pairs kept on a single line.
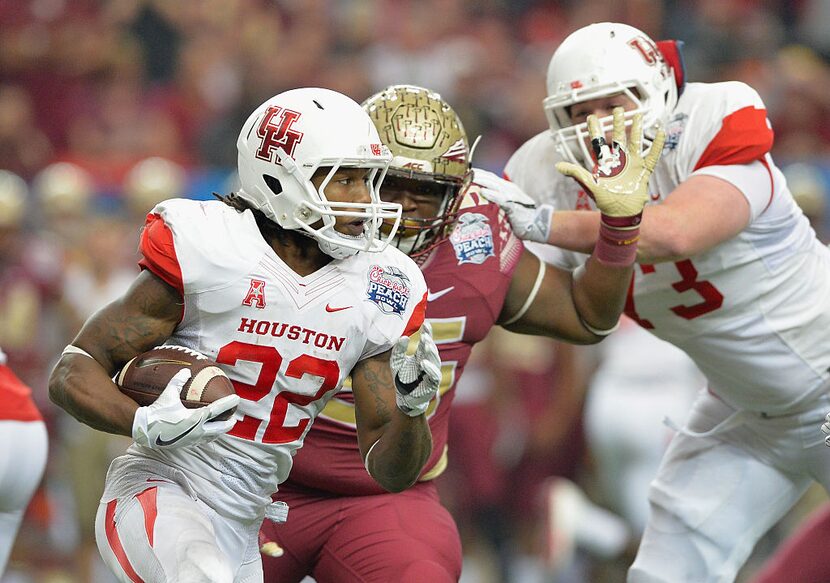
[[619, 184]]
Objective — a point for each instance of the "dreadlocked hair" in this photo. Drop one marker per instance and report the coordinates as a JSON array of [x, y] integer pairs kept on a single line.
[[269, 229]]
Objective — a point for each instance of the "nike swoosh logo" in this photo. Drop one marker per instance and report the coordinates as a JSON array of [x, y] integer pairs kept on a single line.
[[407, 388], [165, 442], [330, 309], [431, 297]]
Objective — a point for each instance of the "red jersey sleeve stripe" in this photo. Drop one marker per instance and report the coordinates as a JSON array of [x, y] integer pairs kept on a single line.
[[159, 252], [417, 317], [744, 137]]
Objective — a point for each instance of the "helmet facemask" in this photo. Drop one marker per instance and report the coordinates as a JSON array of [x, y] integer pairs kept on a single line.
[[316, 215], [417, 236]]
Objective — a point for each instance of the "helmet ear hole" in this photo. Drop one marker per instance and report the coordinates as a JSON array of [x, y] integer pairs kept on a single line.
[[272, 183]]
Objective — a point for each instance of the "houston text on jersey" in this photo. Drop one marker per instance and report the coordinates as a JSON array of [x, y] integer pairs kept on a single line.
[[278, 329]]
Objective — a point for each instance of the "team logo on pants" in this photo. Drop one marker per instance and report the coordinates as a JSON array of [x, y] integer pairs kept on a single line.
[[388, 289], [472, 239]]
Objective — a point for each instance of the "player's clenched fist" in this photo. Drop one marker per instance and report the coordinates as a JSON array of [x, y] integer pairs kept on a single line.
[[416, 377], [166, 423], [619, 183]]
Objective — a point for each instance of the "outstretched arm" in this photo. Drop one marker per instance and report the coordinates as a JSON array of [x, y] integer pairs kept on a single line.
[[583, 307], [564, 302], [701, 213]]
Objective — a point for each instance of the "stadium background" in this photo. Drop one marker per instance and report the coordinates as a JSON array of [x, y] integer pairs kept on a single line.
[[109, 105]]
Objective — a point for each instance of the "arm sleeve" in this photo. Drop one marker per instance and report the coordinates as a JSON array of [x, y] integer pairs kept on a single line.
[[734, 142], [754, 180]]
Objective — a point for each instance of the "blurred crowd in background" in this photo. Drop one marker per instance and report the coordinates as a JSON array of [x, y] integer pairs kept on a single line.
[[109, 106]]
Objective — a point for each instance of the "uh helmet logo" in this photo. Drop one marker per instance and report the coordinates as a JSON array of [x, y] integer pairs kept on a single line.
[[388, 289], [275, 132]]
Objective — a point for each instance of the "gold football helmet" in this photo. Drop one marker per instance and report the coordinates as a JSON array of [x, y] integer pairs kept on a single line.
[[430, 156]]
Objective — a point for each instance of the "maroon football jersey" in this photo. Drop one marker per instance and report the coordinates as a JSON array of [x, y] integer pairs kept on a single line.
[[468, 276]]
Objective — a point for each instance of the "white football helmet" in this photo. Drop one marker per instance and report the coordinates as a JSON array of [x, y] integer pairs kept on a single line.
[[601, 60], [287, 139]]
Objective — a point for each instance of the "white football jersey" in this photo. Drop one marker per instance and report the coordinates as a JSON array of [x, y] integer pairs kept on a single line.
[[752, 312], [286, 341]]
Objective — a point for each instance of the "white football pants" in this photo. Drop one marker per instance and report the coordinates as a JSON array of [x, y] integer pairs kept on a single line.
[[23, 451], [714, 496], [155, 530]]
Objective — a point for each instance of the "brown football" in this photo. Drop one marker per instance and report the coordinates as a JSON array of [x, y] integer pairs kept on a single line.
[[144, 377]]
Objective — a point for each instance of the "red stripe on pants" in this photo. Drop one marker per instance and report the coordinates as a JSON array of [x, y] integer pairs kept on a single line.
[[147, 499], [115, 544]]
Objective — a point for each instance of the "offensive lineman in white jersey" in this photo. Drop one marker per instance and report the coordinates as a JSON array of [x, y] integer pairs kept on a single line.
[[288, 287], [729, 271]]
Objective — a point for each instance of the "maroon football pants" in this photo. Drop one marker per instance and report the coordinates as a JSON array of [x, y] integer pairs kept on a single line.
[[407, 537], [804, 556]]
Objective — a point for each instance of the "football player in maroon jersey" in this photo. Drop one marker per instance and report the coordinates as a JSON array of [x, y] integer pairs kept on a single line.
[[343, 527]]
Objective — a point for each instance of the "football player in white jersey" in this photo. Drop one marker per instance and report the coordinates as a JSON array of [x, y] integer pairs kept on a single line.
[[729, 271], [287, 286]]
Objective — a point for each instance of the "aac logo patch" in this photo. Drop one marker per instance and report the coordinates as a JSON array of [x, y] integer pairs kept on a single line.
[[472, 239], [256, 294], [388, 289]]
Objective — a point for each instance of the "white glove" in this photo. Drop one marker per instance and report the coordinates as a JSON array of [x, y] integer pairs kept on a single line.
[[825, 428], [168, 424], [416, 377], [530, 221]]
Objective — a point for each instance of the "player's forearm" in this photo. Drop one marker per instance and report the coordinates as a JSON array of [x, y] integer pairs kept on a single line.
[[661, 238], [599, 292], [395, 461], [83, 389], [574, 230]]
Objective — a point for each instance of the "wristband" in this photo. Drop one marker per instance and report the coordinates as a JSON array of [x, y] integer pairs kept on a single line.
[[622, 223], [368, 453], [617, 246], [70, 349]]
